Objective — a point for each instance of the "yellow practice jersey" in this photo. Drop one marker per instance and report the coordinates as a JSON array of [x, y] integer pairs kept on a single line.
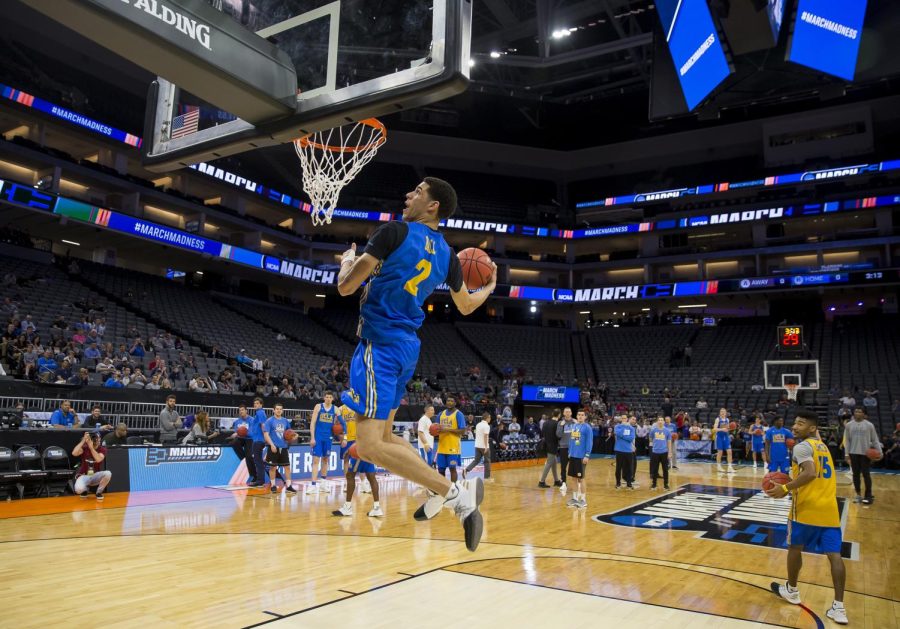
[[349, 416], [816, 502], [449, 443]]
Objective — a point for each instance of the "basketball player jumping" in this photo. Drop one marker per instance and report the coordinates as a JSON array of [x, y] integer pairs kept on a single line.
[[814, 522], [406, 260]]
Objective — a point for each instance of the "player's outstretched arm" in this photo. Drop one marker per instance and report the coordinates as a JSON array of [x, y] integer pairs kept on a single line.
[[467, 302], [354, 271]]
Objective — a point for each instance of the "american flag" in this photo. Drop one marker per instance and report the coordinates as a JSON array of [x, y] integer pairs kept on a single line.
[[186, 123]]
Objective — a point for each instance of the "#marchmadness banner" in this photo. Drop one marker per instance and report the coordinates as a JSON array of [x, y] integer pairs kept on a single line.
[[178, 467]]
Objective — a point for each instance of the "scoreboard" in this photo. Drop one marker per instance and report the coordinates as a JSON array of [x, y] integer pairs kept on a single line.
[[790, 337]]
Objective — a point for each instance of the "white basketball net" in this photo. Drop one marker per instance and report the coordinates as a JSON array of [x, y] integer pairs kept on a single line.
[[331, 159], [792, 391]]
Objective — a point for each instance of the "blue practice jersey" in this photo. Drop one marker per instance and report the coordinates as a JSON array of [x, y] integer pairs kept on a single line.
[[276, 427], [581, 441], [256, 425], [659, 439], [326, 419], [777, 438], [414, 260], [625, 434]]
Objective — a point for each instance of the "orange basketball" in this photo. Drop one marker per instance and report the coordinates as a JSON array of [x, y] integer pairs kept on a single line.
[[352, 452], [434, 430], [242, 431], [789, 442], [775, 478], [290, 436], [732, 426], [337, 430], [695, 437], [476, 267], [873, 454]]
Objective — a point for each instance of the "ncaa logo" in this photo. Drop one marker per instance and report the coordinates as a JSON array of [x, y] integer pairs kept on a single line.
[[729, 514]]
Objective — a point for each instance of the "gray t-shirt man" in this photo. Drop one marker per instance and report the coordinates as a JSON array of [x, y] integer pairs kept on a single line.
[[169, 423], [859, 436]]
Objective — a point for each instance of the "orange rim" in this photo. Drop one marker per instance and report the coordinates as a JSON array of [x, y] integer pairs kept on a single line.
[[304, 141]]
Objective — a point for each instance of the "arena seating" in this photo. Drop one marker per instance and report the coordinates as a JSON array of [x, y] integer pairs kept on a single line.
[[197, 316], [544, 353]]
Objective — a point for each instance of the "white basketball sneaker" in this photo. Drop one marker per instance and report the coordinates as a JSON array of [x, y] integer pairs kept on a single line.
[[838, 614]]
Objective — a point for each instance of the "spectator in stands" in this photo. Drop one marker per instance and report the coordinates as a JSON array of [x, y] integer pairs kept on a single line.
[[137, 348], [847, 400], [705, 433], [78, 336], [82, 378], [200, 432], [667, 408], [105, 366], [93, 460], [869, 401], [119, 437], [701, 404], [138, 379], [127, 377], [154, 384], [28, 326], [46, 366], [96, 419], [64, 417], [198, 384], [64, 372], [514, 427], [287, 392], [531, 430], [892, 450], [114, 381], [91, 352], [169, 421], [9, 306]]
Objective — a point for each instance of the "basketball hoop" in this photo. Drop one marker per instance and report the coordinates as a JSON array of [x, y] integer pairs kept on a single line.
[[792, 391], [331, 159]]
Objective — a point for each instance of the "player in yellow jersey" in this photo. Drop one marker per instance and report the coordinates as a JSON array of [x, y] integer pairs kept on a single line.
[[453, 427], [352, 467], [814, 524]]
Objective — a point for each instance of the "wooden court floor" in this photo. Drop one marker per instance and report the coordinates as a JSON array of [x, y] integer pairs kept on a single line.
[[210, 557]]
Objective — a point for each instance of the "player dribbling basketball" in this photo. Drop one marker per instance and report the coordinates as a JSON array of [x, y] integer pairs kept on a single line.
[[814, 523], [402, 264]]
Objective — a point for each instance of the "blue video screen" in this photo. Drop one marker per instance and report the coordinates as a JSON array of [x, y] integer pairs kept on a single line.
[[827, 35], [551, 394], [695, 47]]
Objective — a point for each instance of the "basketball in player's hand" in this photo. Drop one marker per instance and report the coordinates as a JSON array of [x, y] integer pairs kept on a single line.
[[873, 454], [290, 436], [352, 452], [337, 430], [242, 431], [789, 442], [476, 267], [774, 478], [434, 430]]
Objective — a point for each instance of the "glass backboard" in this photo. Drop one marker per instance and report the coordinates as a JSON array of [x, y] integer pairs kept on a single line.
[[803, 373], [353, 59]]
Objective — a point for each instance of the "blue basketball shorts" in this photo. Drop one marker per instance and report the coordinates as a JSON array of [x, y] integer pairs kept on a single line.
[[758, 446], [780, 465], [358, 466], [448, 460], [322, 447], [378, 376], [723, 441], [428, 457], [815, 539]]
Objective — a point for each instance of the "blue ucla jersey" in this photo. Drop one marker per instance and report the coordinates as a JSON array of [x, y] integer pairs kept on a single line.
[[276, 427], [723, 423], [324, 421], [659, 438], [777, 438], [414, 260], [256, 425]]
